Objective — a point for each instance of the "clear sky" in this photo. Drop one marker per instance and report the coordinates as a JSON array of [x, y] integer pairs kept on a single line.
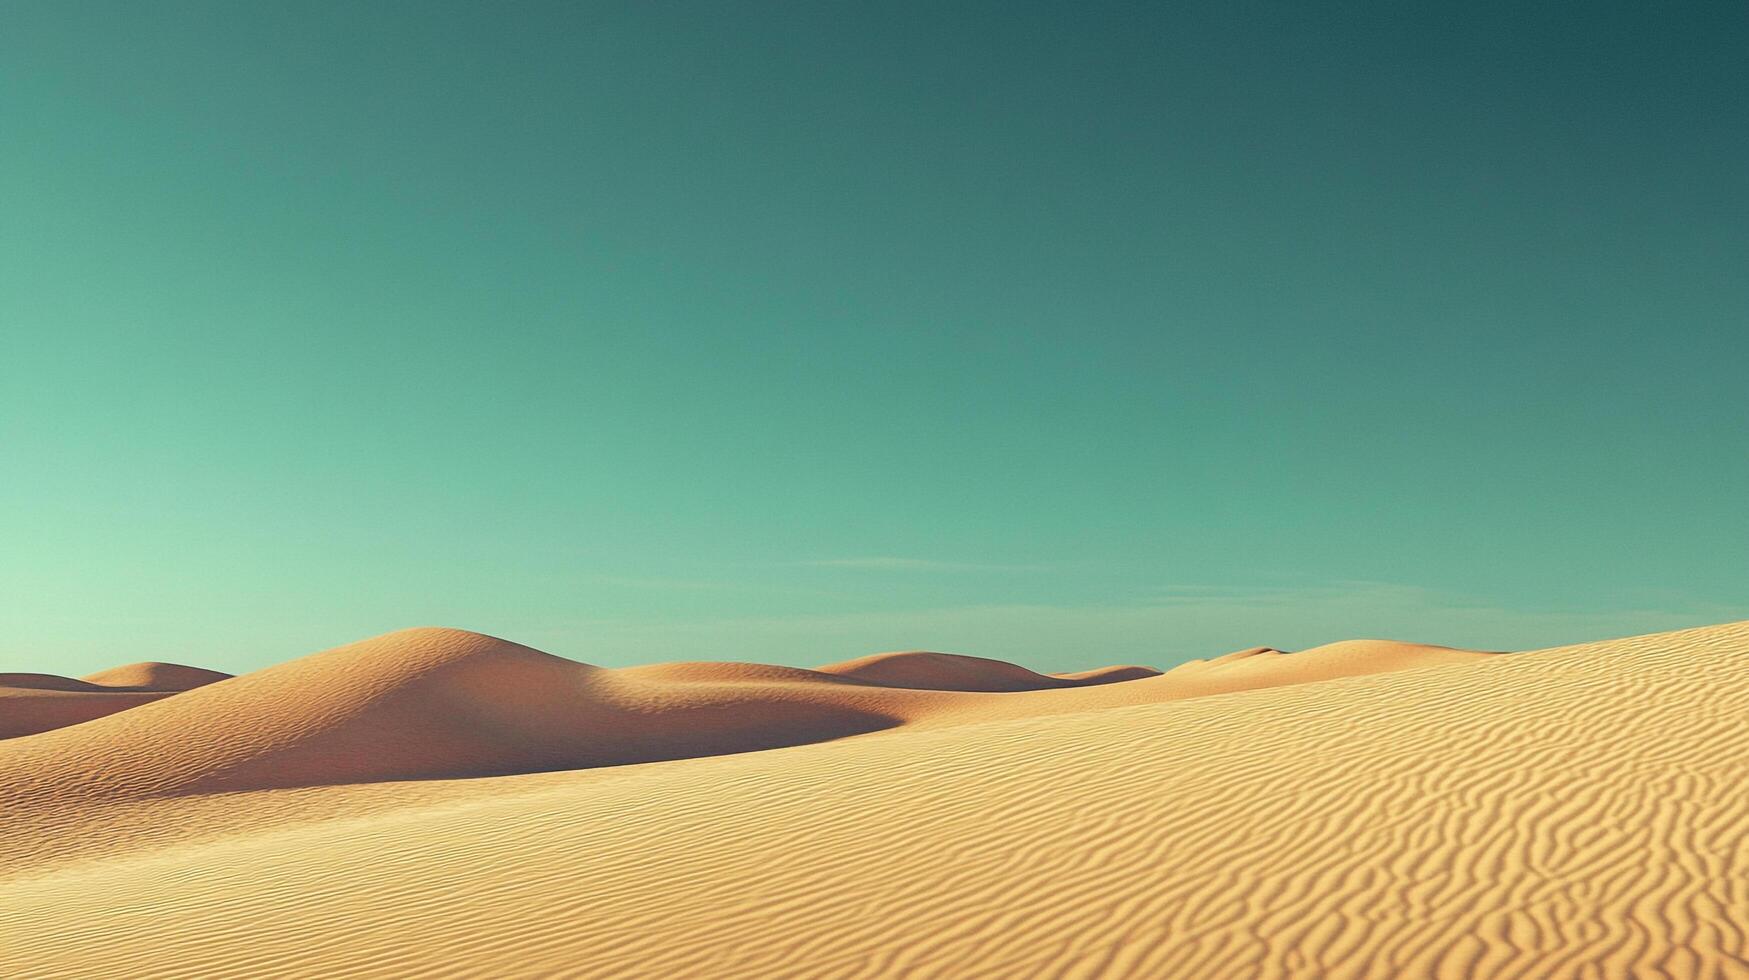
[[1062, 333]]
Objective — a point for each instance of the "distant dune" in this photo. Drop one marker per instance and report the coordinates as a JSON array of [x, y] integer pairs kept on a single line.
[[922, 670], [1260, 667], [423, 704], [32, 703], [441, 703], [1362, 809], [154, 676]]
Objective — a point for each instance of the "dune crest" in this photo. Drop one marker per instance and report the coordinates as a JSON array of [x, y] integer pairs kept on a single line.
[[34, 703], [1574, 811], [1263, 667], [420, 704], [33, 710], [434, 703], [928, 671], [45, 682], [1108, 675], [153, 675]]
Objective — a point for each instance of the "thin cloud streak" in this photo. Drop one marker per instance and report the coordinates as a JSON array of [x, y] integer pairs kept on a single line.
[[894, 564], [1161, 632], [663, 584]]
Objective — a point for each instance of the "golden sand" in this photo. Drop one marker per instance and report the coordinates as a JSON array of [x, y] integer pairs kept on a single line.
[[1365, 809]]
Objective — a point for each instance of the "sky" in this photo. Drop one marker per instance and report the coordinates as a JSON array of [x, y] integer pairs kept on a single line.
[[1067, 334]]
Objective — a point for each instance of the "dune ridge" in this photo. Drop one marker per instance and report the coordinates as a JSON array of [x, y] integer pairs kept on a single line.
[[1261, 667], [46, 682], [152, 675], [930, 671], [432, 703], [417, 704], [33, 703], [1406, 811]]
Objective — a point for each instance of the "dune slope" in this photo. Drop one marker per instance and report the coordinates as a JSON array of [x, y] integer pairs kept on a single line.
[[32, 703], [153, 675], [925, 670], [29, 710], [439, 703], [416, 704], [1261, 667], [1573, 811]]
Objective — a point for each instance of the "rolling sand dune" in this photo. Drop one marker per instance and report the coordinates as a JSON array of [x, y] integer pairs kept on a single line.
[[155, 676], [922, 670], [439, 703], [45, 682], [1364, 809], [1108, 675], [423, 704], [32, 703], [1260, 667]]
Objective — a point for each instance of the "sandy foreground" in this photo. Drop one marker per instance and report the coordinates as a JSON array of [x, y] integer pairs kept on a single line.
[[437, 802]]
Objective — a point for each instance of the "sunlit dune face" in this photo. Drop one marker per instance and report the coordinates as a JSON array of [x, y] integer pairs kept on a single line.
[[1315, 813]]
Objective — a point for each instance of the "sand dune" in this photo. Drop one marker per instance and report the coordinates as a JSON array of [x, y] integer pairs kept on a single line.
[[926, 671], [1109, 675], [421, 704], [436, 703], [1363, 809], [155, 676], [45, 682], [32, 703], [441, 703], [1261, 667], [27, 711]]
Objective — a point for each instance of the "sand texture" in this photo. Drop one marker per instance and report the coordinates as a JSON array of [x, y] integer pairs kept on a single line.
[[31, 703], [437, 802]]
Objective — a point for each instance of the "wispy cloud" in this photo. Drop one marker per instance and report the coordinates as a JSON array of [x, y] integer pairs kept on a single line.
[[893, 564], [1181, 593], [667, 584], [1162, 630]]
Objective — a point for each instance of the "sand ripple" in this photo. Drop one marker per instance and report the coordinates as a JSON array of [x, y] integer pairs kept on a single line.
[[1571, 812]]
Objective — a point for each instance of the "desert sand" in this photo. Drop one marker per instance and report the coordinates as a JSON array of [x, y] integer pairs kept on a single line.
[[31, 703], [441, 802]]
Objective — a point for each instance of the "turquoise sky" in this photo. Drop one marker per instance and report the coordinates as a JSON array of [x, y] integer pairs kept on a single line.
[[1066, 334]]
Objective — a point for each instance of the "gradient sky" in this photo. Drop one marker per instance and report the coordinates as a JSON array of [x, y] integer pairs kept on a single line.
[[1067, 334]]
